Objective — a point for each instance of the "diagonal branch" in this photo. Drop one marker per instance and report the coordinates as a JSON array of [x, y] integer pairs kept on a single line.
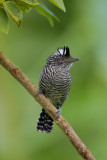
[[46, 104]]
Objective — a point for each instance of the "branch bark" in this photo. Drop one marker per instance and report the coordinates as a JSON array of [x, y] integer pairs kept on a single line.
[[46, 104]]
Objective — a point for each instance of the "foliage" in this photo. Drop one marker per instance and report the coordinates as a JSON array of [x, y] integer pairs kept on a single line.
[[16, 8]]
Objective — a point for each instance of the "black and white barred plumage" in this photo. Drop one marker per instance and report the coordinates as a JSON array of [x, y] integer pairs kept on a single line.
[[55, 82]]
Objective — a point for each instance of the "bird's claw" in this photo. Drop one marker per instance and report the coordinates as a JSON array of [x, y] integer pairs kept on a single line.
[[58, 112], [38, 92]]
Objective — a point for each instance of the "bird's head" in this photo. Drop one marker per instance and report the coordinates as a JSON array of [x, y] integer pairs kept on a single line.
[[62, 58]]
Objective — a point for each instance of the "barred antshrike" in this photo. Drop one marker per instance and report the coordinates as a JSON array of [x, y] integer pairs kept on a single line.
[[55, 82]]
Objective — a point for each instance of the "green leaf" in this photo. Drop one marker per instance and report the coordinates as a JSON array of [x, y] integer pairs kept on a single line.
[[23, 6], [31, 3], [43, 10], [4, 25], [1, 1], [15, 12], [26, 5], [59, 4]]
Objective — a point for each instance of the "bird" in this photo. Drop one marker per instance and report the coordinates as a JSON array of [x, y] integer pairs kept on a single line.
[[54, 83]]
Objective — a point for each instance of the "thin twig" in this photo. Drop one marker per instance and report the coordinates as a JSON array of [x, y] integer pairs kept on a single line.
[[46, 104]]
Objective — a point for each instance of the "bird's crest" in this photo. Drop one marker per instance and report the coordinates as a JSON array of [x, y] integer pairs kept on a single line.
[[63, 51]]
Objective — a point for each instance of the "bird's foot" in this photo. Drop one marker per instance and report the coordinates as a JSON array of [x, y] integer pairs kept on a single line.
[[38, 92], [58, 112]]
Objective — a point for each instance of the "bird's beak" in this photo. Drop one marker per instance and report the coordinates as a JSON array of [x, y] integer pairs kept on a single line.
[[73, 59]]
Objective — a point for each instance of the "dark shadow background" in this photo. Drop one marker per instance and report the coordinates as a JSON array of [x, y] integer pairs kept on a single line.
[[84, 29]]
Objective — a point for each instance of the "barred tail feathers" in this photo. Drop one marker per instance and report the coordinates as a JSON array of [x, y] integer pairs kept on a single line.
[[45, 122]]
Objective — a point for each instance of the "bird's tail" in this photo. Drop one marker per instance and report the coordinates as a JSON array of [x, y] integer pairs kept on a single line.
[[45, 122]]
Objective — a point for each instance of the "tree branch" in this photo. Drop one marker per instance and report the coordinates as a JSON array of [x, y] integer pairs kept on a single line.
[[46, 104]]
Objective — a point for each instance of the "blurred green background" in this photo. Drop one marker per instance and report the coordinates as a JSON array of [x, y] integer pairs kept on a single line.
[[84, 29]]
